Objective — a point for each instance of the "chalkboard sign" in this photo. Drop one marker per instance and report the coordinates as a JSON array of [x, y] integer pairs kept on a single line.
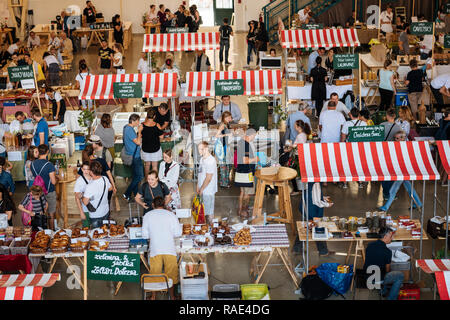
[[113, 266], [312, 26], [366, 133], [421, 28], [177, 30], [447, 41], [20, 73], [124, 90], [229, 87], [345, 61]]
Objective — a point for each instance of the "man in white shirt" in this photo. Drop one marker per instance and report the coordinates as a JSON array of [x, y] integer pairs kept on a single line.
[[14, 47], [33, 40], [96, 194], [227, 105], [312, 58], [330, 124], [386, 20], [161, 227], [143, 66], [207, 179], [66, 45], [303, 15], [55, 42], [440, 86], [354, 122], [340, 106]]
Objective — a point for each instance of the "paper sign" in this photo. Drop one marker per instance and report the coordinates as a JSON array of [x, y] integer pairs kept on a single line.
[[120, 71], [83, 232], [27, 84], [222, 231], [207, 234], [101, 231], [219, 235], [197, 228], [46, 231], [18, 239], [312, 26], [215, 225], [62, 233], [345, 61], [73, 240], [177, 30], [14, 156]]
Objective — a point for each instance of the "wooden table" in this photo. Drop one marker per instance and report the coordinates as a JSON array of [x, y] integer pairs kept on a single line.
[[61, 191], [8, 32], [280, 180], [148, 27], [95, 35]]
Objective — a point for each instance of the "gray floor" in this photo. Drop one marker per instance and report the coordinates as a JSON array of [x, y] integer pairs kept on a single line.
[[234, 268]]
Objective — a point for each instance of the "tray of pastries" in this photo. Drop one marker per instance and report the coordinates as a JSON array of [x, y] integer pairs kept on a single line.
[[40, 243], [203, 241], [187, 229], [220, 227], [79, 244], [78, 232], [222, 239], [99, 245], [243, 237], [117, 231], [200, 229], [98, 233]]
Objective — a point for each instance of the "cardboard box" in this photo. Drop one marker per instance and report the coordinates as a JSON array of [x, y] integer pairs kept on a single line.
[[378, 52]]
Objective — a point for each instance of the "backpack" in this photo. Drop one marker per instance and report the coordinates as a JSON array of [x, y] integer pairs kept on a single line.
[[314, 288], [39, 181], [348, 99]]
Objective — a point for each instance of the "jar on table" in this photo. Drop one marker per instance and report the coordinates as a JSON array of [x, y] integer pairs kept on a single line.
[[369, 220], [343, 224]]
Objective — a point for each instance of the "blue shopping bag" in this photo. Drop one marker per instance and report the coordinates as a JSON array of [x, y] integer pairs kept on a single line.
[[339, 282]]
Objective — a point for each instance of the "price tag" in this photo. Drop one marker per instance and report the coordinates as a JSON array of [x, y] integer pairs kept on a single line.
[[83, 232], [224, 219], [219, 235], [105, 221], [221, 231], [112, 222], [73, 240], [101, 243], [101, 231], [62, 233], [202, 239], [207, 234], [215, 225], [18, 239], [48, 232], [216, 220], [197, 228]]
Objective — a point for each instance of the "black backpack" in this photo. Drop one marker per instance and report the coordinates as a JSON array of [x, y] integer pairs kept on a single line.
[[313, 288]]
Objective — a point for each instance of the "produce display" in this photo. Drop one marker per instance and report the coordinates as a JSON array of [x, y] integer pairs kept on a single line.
[[243, 237]]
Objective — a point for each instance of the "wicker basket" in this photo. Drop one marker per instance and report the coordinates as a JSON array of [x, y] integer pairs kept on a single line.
[[19, 250], [4, 250], [38, 251]]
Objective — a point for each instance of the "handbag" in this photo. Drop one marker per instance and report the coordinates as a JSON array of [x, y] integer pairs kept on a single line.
[[246, 178], [89, 206], [127, 159], [198, 210], [26, 217]]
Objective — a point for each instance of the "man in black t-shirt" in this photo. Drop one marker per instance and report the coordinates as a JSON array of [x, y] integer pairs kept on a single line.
[[181, 18], [163, 116], [89, 12], [351, 21], [105, 56], [414, 81], [379, 255], [151, 189], [225, 33]]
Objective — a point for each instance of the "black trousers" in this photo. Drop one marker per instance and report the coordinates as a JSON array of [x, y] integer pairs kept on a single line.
[[386, 98], [439, 98]]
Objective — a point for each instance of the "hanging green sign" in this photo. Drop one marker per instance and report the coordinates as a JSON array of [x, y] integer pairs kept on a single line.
[[177, 30], [312, 26], [421, 28], [113, 266], [20, 73], [366, 133], [124, 90], [233, 87], [346, 61], [447, 41]]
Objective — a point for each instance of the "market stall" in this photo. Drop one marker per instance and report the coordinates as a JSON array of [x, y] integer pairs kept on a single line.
[[314, 39], [95, 34], [366, 161], [164, 42], [26, 286], [440, 269], [444, 156]]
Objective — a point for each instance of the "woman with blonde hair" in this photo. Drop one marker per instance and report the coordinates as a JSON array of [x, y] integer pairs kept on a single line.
[[223, 132], [405, 119]]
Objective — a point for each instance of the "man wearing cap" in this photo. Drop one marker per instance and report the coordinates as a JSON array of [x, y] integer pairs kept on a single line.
[[302, 114], [100, 151], [227, 105], [379, 255]]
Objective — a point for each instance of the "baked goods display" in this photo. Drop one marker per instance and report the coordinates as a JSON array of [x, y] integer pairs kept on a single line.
[[60, 242], [99, 234], [203, 241], [5, 243], [222, 239], [116, 230], [79, 244], [18, 232], [78, 233], [200, 229], [221, 227], [98, 245], [40, 243], [187, 228], [243, 237]]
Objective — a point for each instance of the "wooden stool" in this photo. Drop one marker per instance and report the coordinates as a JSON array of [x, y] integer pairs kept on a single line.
[[280, 180]]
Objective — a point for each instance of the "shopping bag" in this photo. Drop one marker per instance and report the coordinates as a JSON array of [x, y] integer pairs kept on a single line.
[[339, 282], [26, 217], [198, 210]]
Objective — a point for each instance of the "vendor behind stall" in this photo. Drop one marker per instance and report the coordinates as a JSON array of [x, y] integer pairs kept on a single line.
[[163, 116], [58, 103], [227, 105], [41, 132], [440, 86]]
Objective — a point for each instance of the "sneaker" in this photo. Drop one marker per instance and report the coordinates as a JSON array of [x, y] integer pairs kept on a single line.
[[344, 185], [329, 253], [382, 209], [125, 197], [228, 63], [360, 185]]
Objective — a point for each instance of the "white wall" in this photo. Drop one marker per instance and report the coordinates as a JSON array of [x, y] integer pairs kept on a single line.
[[245, 11]]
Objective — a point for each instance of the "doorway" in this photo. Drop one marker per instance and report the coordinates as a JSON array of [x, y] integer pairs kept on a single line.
[[206, 10], [223, 9]]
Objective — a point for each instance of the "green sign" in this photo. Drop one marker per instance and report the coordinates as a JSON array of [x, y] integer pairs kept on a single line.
[[312, 26], [346, 61], [177, 30], [421, 28], [20, 73], [124, 90], [366, 133], [447, 41], [229, 87], [113, 266]]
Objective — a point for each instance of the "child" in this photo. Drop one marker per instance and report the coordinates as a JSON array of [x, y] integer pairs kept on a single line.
[[303, 130], [405, 119], [35, 205], [32, 155]]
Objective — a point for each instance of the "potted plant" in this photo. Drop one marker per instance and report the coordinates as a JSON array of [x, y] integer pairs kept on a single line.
[[86, 119], [278, 115]]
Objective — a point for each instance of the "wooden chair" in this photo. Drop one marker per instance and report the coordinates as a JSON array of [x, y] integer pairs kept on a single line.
[[155, 283]]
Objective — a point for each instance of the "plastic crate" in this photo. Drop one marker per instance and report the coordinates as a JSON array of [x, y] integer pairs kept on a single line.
[[193, 288], [255, 292], [226, 292], [409, 292], [4, 250], [19, 250], [401, 266], [400, 97]]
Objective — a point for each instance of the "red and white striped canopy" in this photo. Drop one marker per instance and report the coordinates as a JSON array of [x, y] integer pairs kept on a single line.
[[444, 154], [21, 293], [256, 82], [164, 42], [433, 265], [366, 161], [328, 38], [154, 85], [23, 280], [443, 284]]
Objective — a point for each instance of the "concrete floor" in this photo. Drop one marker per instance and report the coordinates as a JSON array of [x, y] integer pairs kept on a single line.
[[234, 268]]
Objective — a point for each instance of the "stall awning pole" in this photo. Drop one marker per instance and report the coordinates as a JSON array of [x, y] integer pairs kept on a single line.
[[307, 229], [359, 83], [446, 221], [379, 18], [421, 225], [411, 200]]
